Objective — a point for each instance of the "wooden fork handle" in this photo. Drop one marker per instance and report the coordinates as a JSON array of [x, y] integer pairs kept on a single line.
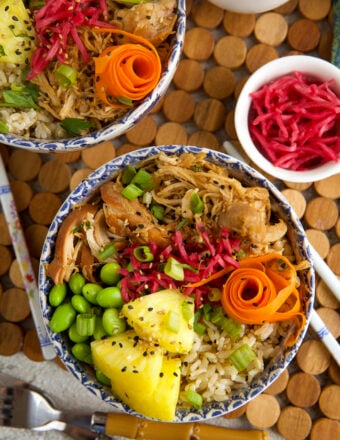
[[138, 429]]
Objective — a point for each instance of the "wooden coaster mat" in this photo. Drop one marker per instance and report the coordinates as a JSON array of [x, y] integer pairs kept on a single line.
[[221, 50]]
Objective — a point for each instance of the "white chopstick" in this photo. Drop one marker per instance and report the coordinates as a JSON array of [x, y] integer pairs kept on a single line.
[[324, 272], [23, 257]]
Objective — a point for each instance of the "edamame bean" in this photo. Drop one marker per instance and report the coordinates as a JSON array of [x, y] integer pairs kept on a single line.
[[74, 335], [62, 318], [110, 297], [90, 291], [102, 378], [76, 283], [81, 304], [82, 351], [112, 323], [99, 330], [57, 294], [109, 273]]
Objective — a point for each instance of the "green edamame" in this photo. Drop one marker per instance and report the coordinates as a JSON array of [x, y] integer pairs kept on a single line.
[[81, 304], [62, 317], [112, 323], [110, 297], [109, 273], [57, 294], [102, 378], [90, 291], [82, 351], [74, 335], [99, 330], [76, 283]]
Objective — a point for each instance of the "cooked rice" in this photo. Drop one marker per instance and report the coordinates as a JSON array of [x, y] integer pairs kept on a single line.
[[207, 369]]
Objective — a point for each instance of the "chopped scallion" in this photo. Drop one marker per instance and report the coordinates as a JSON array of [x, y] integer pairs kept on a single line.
[[131, 191], [181, 224], [175, 269], [127, 174], [3, 127], [157, 211], [142, 179], [194, 398], [66, 75], [242, 357], [172, 320], [196, 203], [143, 254], [233, 328], [85, 324], [108, 250], [187, 310]]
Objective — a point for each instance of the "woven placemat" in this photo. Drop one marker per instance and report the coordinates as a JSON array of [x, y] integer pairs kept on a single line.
[[221, 50]]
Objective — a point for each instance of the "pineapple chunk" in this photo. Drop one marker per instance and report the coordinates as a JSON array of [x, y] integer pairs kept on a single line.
[[17, 36], [140, 375], [132, 364], [165, 317]]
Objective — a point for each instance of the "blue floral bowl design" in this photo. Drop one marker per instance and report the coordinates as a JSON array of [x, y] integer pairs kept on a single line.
[[249, 177], [123, 124]]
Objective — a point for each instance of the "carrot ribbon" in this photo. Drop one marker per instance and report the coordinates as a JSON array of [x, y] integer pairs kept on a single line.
[[263, 289], [129, 71]]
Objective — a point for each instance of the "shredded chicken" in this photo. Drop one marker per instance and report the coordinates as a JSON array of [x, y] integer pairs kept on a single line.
[[154, 21]]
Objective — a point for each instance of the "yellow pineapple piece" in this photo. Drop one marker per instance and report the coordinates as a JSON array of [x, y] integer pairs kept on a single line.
[[140, 375], [132, 364], [17, 36], [165, 317]]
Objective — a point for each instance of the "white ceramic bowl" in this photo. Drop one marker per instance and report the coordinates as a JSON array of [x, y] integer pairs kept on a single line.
[[248, 6], [123, 124], [249, 177], [310, 65]]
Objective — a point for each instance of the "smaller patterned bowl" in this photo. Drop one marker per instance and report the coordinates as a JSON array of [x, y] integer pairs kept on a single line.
[[249, 178], [311, 67], [123, 124]]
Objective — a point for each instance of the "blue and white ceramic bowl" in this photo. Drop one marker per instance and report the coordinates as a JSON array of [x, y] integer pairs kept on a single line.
[[123, 124], [249, 177]]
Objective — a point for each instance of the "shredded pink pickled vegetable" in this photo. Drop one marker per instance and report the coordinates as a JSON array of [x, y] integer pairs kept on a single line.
[[56, 26], [206, 258], [295, 122]]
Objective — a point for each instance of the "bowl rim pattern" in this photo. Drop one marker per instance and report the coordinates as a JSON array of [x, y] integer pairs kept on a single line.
[[121, 125], [248, 176]]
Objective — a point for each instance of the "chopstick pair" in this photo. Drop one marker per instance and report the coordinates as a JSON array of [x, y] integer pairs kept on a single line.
[[323, 271], [25, 265]]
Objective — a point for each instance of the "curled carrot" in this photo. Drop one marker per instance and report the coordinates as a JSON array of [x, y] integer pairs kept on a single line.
[[129, 71], [263, 289]]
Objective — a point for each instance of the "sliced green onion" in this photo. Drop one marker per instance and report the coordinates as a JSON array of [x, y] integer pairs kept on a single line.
[[173, 320], [233, 328], [217, 315], [143, 179], [196, 203], [199, 327], [3, 127], [86, 323], [194, 398], [147, 198], [66, 75], [175, 269], [127, 174], [181, 224], [242, 357], [107, 252], [132, 191], [157, 211], [143, 254], [207, 309], [125, 101], [214, 294], [187, 310]]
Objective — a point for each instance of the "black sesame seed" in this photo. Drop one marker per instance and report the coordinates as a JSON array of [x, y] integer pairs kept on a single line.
[[120, 345], [150, 309], [113, 343], [130, 306], [14, 18], [161, 374], [175, 374]]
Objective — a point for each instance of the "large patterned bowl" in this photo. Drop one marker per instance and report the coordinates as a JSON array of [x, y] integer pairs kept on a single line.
[[249, 177], [123, 124]]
